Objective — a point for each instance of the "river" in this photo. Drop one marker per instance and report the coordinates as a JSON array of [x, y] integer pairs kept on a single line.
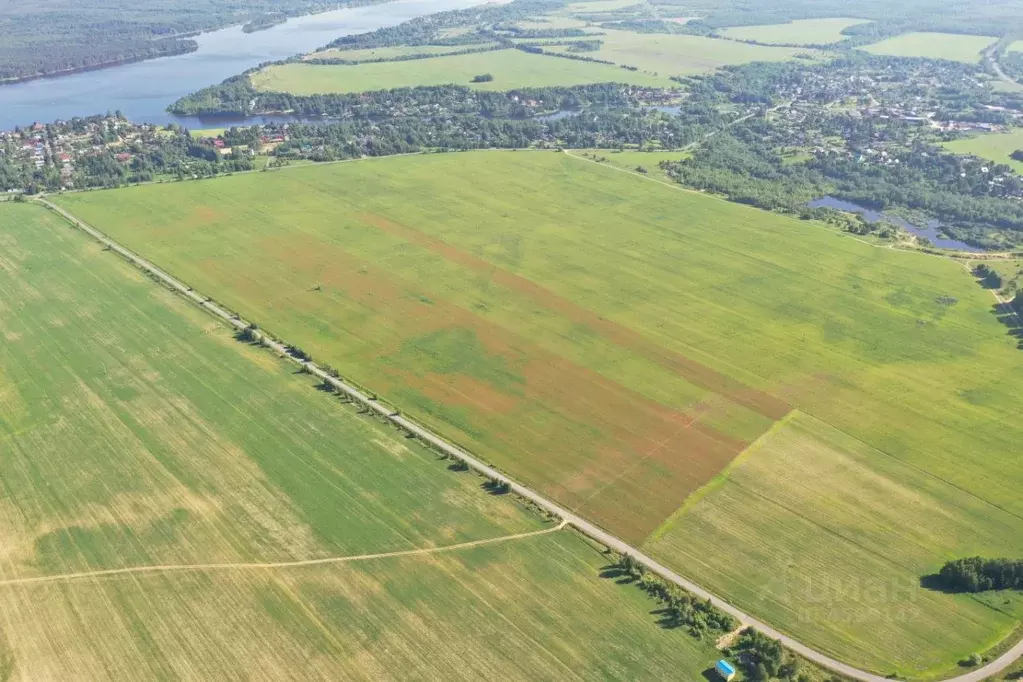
[[143, 90], [930, 231]]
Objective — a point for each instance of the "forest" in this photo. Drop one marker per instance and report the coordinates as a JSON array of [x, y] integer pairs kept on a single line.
[[744, 165], [235, 96], [979, 574], [50, 36], [979, 17]]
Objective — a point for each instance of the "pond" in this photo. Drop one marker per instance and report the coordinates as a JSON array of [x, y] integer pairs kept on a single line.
[[930, 231], [143, 90]]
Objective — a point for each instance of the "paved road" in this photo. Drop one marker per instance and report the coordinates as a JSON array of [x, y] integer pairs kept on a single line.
[[551, 507]]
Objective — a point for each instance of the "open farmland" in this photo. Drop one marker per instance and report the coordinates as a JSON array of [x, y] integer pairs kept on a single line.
[[997, 147], [631, 159], [679, 55], [952, 46], [798, 32], [807, 517], [483, 304], [136, 432], [395, 52], [510, 68]]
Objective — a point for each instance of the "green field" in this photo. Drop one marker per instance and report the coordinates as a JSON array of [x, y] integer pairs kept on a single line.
[[550, 21], [996, 147], [799, 32], [510, 68], [952, 46], [208, 132], [806, 517], [135, 431], [391, 52], [673, 55], [616, 342], [603, 5], [631, 159]]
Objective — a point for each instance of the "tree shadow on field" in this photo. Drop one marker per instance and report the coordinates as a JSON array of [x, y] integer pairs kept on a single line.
[[666, 619], [618, 574], [934, 583], [496, 487], [1005, 314]]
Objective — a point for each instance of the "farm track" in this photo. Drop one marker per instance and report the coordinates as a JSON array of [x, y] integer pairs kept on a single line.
[[174, 568], [567, 517]]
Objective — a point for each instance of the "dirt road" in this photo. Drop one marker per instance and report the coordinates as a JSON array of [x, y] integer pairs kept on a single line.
[[239, 566]]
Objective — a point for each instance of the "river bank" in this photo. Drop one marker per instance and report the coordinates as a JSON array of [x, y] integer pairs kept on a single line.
[[931, 231], [142, 90]]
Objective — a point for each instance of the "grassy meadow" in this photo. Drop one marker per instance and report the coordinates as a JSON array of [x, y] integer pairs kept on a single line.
[[135, 431], [806, 521], [510, 68], [798, 32], [631, 159], [952, 46], [394, 52], [996, 147], [678, 55], [616, 342]]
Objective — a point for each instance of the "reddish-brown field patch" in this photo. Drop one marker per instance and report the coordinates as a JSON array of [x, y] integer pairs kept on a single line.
[[692, 371], [583, 438]]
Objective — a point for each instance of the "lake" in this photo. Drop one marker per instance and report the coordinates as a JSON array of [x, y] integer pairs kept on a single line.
[[930, 231], [143, 90]]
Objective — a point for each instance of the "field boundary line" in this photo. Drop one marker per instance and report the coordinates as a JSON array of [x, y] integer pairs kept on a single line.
[[272, 565], [568, 518], [720, 478]]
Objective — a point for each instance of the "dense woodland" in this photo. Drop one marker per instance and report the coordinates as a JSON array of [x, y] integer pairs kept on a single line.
[[49, 36], [235, 96], [977, 574], [744, 167], [981, 17]]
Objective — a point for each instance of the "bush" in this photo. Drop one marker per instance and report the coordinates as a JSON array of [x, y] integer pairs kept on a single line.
[[483, 78]]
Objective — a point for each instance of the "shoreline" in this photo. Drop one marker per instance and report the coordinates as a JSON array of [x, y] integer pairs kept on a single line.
[[186, 38], [192, 45]]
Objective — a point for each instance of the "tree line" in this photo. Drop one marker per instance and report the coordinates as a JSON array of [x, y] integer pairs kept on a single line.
[[979, 574], [237, 97]]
